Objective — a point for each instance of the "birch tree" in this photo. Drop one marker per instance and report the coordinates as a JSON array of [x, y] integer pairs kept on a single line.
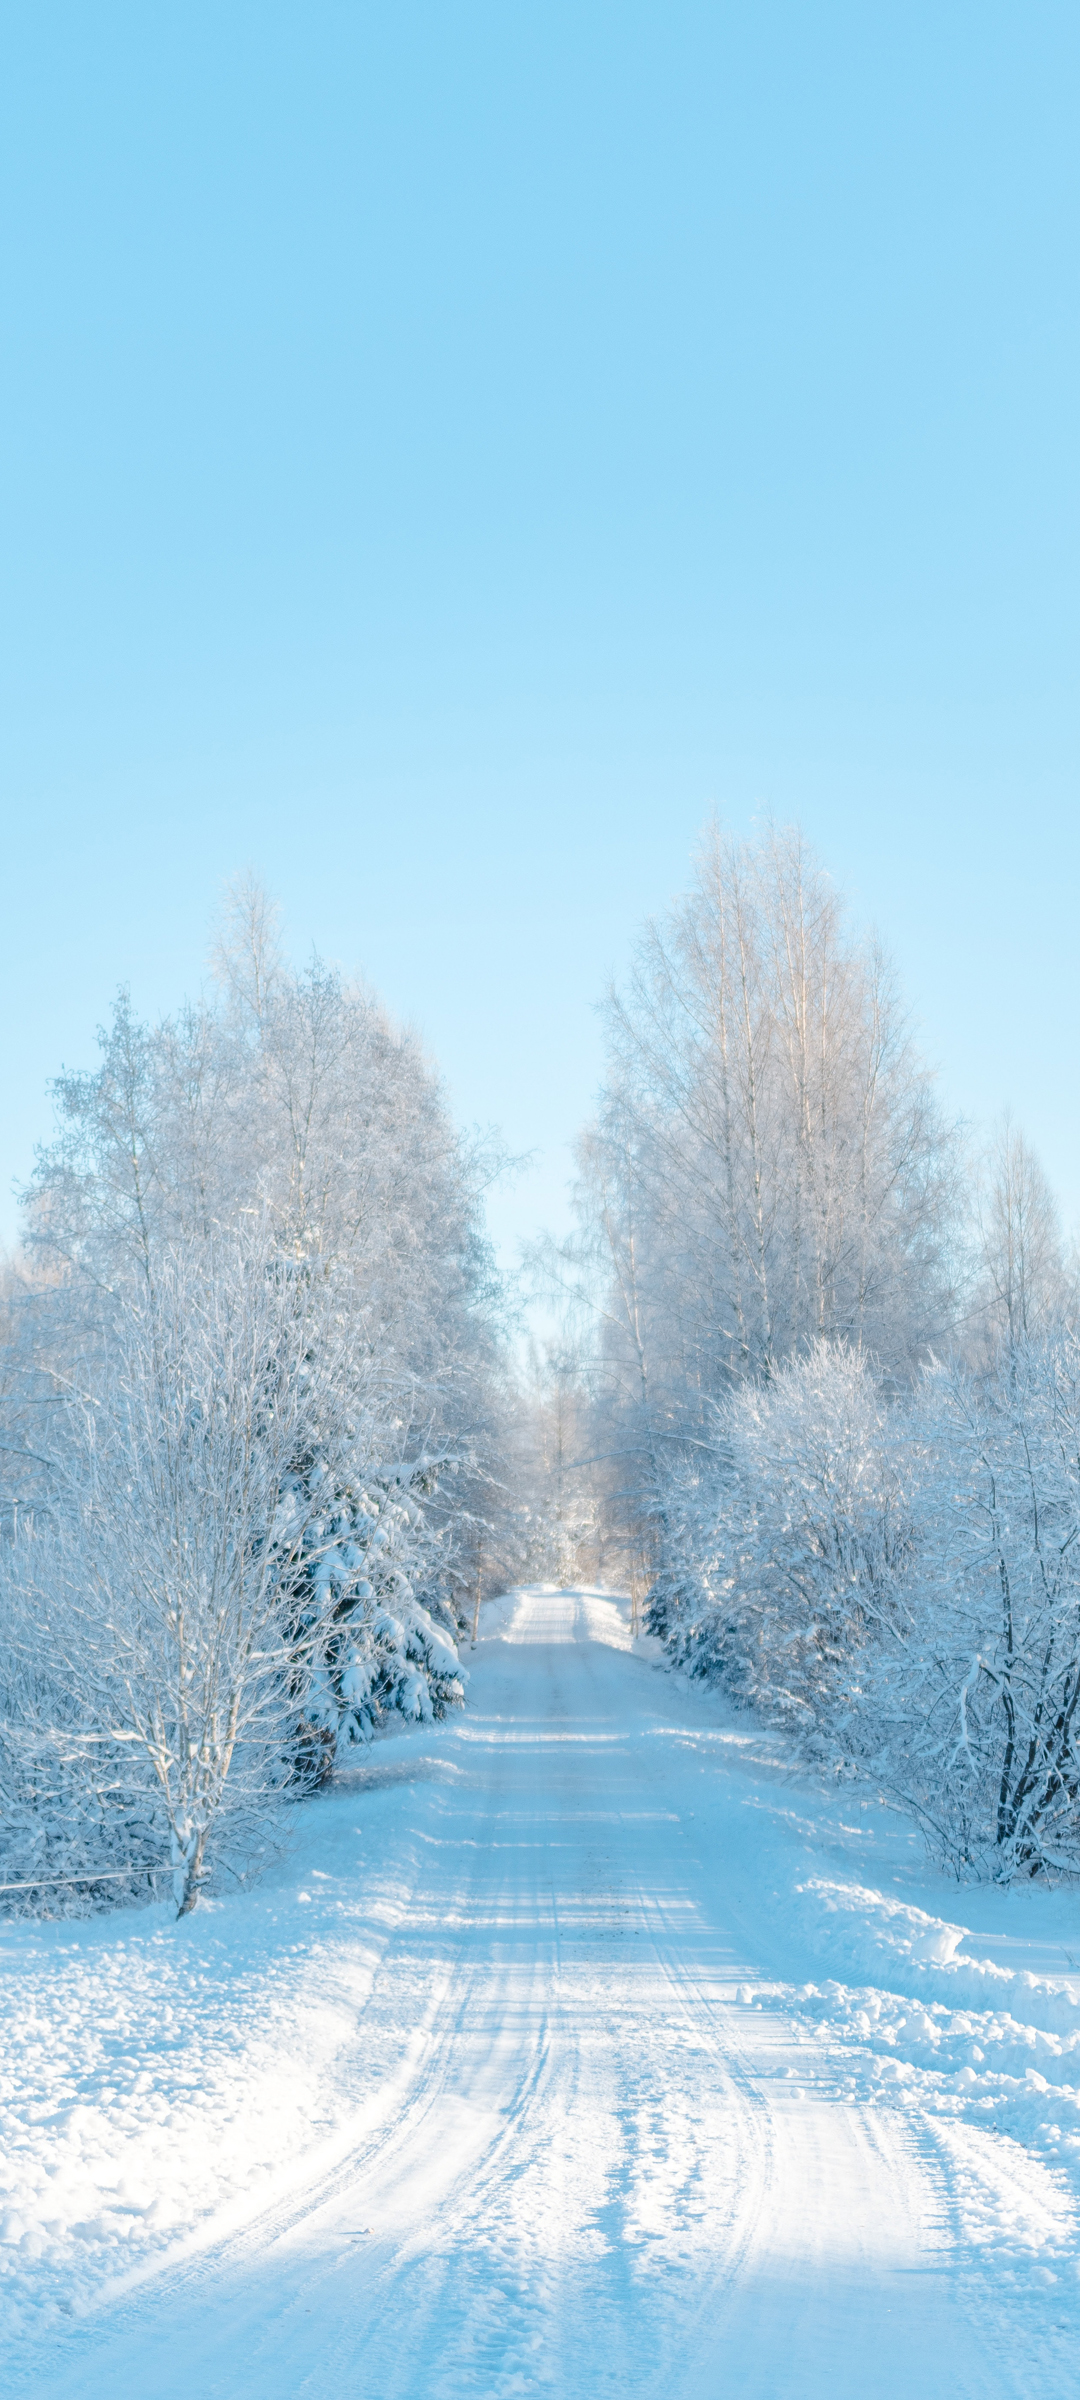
[[1023, 1287], [768, 1167], [161, 1586], [294, 1098]]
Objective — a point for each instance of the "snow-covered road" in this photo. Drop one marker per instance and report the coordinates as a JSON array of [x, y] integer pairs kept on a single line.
[[530, 2073]]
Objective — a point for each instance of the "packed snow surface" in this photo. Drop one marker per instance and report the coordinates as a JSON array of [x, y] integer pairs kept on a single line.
[[579, 2046]]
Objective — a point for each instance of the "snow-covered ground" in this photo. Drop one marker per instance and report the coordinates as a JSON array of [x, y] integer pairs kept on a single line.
[[582, 2046]]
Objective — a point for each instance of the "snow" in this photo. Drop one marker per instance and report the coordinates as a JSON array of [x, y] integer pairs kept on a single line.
[[581, 2045]]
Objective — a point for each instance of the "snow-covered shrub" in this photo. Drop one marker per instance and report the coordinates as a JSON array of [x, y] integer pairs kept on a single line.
[[80, 1822], [898, 1581], [976, 1715], [785, 1546]]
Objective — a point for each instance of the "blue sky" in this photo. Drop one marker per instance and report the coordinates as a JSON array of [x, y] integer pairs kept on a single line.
[[448, 451]]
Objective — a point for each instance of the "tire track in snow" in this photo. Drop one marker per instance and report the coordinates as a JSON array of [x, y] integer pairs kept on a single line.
[[591, 2170]]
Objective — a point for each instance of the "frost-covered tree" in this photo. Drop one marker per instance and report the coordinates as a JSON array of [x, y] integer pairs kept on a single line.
[[205, 1604], [369, 1594], [294, 1098], [158, 1586], [768, 1167], [285, 1119], [1022, 1289]]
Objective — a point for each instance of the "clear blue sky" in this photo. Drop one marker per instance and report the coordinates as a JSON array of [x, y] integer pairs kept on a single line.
[[448, 450]]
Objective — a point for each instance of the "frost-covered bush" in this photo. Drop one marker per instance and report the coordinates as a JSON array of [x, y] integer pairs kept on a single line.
[[977, 1713], [786, 1544], [80, 1823], [898, 1581]]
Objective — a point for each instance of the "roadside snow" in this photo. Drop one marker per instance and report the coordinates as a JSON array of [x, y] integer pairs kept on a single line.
[[156, 2077], [572, 2039]]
